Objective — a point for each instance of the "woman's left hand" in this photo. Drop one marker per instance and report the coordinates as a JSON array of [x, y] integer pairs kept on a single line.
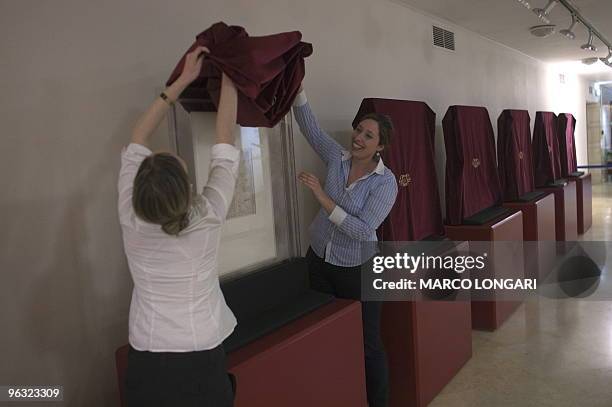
[[312, 182], [193, 65]]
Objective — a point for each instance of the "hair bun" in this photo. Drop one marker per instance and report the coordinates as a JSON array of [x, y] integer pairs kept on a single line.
[[176, 225]]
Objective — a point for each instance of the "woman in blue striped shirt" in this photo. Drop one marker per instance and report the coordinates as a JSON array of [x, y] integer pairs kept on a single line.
[[359, 192]]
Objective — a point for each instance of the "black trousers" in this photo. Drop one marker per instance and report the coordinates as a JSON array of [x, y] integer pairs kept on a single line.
[[156, 379], [345, 282]]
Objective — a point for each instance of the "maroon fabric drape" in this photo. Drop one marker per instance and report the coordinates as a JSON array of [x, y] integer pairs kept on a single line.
[[267, 72], [514, 157], [546, 164], [566, 125], [472, 183], [411, 157]]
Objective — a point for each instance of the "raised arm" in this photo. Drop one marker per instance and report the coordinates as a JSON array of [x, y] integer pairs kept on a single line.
[[148, 122], [137, 151], [324, 145], [226, 114], [219, 189]]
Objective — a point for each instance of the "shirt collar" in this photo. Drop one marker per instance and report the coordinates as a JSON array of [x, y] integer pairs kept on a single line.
[[380, 167]]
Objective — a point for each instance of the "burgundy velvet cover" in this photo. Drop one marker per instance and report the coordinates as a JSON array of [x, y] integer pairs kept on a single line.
[[514, 157], [416, 213], [267, 72], [566, 125], [472, 183], [546, 164]]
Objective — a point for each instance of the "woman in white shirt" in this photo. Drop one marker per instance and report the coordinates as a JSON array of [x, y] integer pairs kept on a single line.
[[178, 316]]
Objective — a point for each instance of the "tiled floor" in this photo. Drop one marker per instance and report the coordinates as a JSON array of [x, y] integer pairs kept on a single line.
[[550, 352]]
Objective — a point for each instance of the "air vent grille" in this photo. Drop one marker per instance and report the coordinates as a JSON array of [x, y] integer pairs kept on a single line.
[[443, 38]]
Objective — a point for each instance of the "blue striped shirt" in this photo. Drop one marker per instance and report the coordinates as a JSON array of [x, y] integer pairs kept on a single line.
[[361, 207]]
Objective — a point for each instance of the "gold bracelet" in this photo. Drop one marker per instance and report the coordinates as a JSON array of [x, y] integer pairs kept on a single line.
[[166, 99]]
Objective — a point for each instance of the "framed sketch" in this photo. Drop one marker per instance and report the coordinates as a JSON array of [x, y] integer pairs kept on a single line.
[[244, 202], [262, 225]]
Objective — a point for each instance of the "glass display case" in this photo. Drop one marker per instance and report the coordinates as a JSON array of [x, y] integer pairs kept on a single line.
[[262, 225]]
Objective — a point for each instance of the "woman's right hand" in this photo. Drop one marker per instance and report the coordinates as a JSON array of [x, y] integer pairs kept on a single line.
[[193, 65]]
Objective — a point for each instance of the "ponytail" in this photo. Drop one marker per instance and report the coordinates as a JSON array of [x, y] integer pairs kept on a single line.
[[175, 226]]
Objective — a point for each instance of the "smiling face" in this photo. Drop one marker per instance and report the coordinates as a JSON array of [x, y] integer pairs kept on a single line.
[[365, 140]]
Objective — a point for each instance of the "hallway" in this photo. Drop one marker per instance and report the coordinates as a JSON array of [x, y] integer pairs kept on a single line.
[[550, 352]]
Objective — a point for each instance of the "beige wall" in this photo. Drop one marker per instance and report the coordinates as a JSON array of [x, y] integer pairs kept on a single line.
[[75, 76]]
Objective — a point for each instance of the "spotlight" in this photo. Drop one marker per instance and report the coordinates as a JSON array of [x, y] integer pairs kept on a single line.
[[568, 33], [590, 61], [589, 45], [607, 60], [542, 13], [525, 4]]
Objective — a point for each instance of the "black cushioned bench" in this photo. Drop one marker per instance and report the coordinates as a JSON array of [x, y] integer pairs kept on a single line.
[[487, 215], [266, 300], [557, 183], [531, 196]]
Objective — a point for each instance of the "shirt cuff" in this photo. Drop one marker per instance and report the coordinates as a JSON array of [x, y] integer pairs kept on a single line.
[[337, 216], [300, 99], [225, 151]]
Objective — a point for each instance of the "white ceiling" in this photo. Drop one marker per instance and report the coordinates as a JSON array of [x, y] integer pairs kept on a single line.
[[508, 22]]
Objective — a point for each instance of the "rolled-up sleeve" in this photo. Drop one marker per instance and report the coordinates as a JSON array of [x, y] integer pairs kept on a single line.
[[219, 190], [131, 158], [376, 209]]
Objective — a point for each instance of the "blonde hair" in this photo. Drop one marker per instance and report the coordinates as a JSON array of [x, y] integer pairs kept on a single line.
[[162, 193]]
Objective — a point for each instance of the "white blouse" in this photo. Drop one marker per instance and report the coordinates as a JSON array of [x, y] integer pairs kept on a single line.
[[177, 304]]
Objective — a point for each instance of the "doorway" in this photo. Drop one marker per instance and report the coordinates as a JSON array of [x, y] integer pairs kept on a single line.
[[599, 134]]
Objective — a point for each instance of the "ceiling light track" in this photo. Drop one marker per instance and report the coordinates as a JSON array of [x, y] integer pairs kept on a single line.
[[592, 30]]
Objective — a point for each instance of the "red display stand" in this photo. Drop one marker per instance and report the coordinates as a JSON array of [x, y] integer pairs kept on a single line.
[[416, 334], [121, 360], [473, 212], [316, 360], [538, 226], [584, 202], [566, 127], [566, 212], [489, 315], [427, 343], [515, 166]]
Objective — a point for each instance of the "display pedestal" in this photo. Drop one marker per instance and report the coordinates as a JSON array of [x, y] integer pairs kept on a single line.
[[416, 336], [584, 202], [538, 228], [489, 315], [292, 346], [565, 211], [316, 360]]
